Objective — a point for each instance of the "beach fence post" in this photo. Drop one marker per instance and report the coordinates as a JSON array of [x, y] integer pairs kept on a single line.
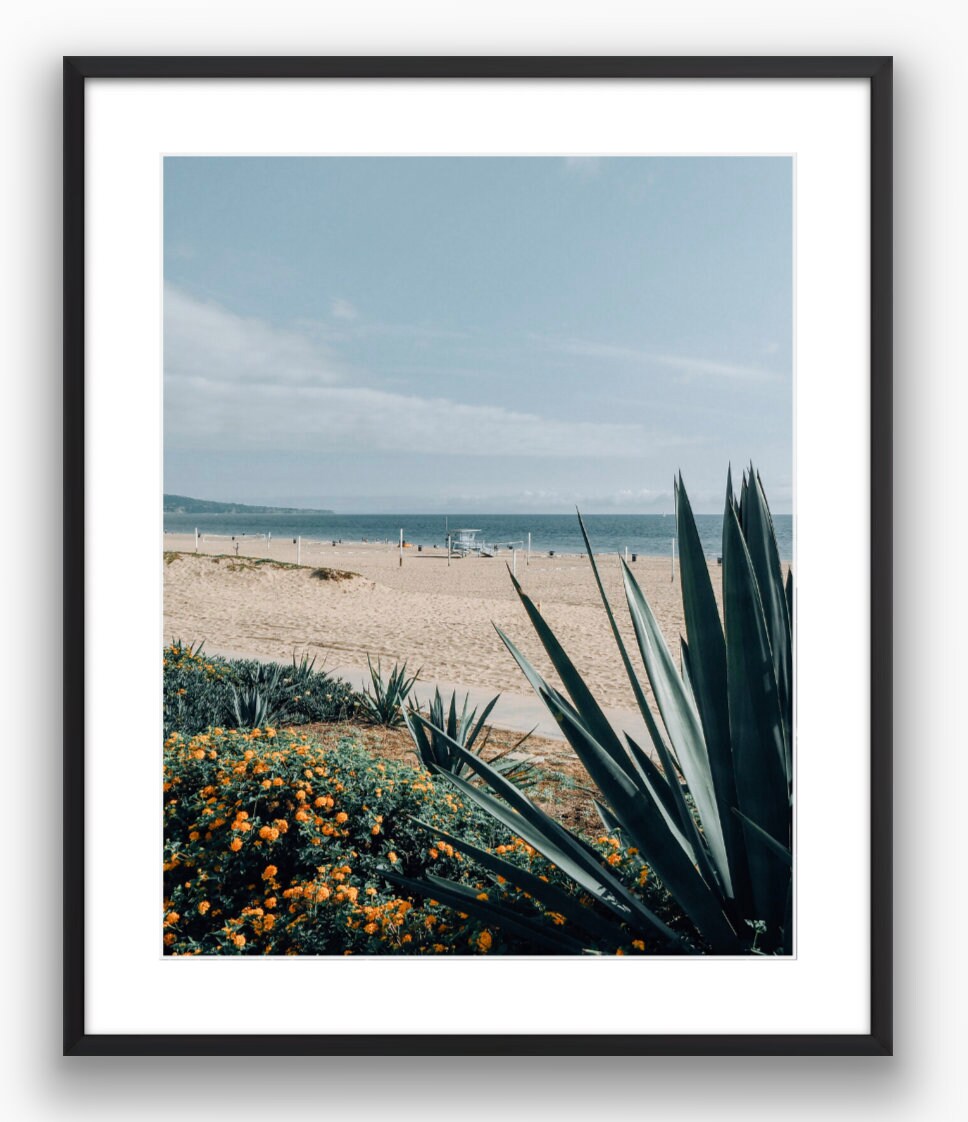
[[196, 539], [514, 562], [448, 551], [298, 547], [401, 547], [672, 576], [528, 561], [626, 555]]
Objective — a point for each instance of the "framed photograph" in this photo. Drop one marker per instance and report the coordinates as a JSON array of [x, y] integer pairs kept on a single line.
[[477, 556]]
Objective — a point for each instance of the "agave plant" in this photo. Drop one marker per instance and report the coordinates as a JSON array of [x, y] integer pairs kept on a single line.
[[435, 735], [383, 700], [250, 708], [713, 817]]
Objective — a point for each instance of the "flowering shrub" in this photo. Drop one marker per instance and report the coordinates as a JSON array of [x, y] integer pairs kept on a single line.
[[274, 845], [199, 691]]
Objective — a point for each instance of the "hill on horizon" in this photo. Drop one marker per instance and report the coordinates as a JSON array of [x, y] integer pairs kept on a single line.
[[182, 504]]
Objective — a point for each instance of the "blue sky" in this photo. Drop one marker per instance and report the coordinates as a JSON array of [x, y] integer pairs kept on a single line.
[[493, 334]]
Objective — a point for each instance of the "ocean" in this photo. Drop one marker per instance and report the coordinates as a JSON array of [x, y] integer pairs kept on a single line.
[[647, 534]]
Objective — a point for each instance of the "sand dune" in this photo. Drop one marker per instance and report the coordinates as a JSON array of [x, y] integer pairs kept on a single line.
[[436, 616]]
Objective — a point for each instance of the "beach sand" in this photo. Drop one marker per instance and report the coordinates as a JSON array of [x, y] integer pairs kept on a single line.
[[437, 617]]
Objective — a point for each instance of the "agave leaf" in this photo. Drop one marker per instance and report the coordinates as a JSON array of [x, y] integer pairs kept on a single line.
[[464, 899], [755, 724], [659, 784], [580, 694], [761, 542], [682, 722], [573, 857], [764, 838], [552, 897], [705, 660], [640, 699], [480, 724], [644, 820]]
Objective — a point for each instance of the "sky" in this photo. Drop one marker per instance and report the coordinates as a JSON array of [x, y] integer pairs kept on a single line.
[[494, 334]]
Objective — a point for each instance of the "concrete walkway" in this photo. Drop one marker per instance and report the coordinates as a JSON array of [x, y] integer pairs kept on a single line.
[[514, 711]]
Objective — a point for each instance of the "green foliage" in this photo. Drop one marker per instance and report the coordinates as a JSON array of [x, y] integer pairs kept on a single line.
[[250, 709], [433, 736], [275, 845], [201, 692], [384, 698], [719, 838], [196, 690], [432, 746]]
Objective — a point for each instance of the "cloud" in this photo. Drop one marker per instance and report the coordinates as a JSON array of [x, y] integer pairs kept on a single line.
[[685, 364], [237, 383], [205, 342], [343, 309]]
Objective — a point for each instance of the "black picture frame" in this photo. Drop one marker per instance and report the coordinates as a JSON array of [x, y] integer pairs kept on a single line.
[[878, 71]]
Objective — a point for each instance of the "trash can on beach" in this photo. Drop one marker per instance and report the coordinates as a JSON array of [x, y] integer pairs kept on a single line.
[[635, 557]]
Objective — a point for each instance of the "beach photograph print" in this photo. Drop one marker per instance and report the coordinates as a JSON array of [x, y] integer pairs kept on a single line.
[[478, 556]]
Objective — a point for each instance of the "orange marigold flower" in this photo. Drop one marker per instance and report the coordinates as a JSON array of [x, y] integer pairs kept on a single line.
[[375, 830], [193, 836], [204, 906], [392, 856], [484, 942], [171, 918], [269, 872], [169, 938], [235, 845], [614, 859], [639, 944], [277, 782], [238, 940], [371, 928], [270, 901], [342, 817]]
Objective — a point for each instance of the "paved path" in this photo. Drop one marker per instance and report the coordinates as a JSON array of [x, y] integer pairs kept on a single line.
[[518, 712], [514, 711]]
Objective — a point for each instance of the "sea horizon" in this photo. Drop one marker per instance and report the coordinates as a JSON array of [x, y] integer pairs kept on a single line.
[[650, 535]]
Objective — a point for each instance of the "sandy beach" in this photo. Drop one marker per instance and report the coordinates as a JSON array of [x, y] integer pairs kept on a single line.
[[437, 617]]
